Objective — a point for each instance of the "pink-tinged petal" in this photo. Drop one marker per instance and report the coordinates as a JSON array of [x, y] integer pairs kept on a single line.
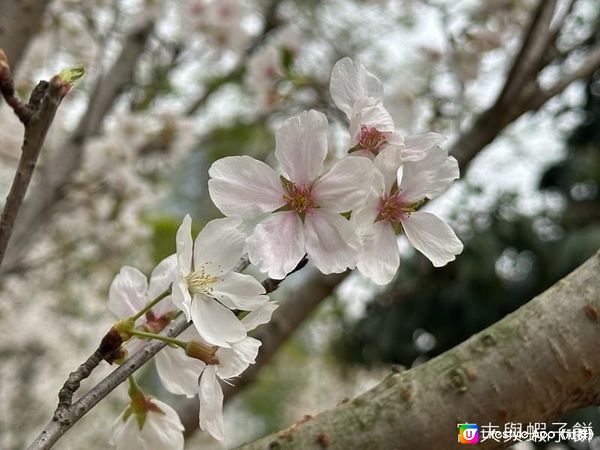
[[239, 291], [259, 316], [331, 243], [387, 162], [301, 146], [127, 294], [429, 177], [380, 256], [351, 81], [161, 278], [181, 297], [416, 147], [184, 244], [233, 361], [433, 237], [178, 372], [277, 244], [241, 186], [211, 403], [219, 246], [369, 112], [345, 186], [216, 324]]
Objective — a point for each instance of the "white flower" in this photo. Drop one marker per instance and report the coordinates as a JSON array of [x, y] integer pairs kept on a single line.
[[180, 373], [161, 428], [311, 202], [359, 94], [130, 292], [208, 289], [399, 195]]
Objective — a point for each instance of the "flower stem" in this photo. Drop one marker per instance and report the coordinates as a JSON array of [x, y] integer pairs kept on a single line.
[[150, 305], [168, 340]]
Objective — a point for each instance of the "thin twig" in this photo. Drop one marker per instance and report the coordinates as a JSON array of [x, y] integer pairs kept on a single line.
[[37, 116]]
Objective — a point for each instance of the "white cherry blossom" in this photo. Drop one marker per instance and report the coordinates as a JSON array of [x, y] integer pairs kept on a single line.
[[161, 428], [130, 292], [306, 203], [400, 192], [185, 375], [359, 94], [206, 288]]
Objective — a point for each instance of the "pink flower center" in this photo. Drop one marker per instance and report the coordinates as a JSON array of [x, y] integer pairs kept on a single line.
[[371, 139], [156, 323], [394, 208], [298, 198]]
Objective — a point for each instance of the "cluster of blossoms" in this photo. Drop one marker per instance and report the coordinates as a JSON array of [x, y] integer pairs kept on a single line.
[[340, 215]]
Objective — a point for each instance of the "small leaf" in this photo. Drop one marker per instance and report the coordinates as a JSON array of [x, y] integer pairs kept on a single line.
[[70, 76]]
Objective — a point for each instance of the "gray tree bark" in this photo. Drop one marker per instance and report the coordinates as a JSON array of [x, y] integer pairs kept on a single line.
[[534, 365]]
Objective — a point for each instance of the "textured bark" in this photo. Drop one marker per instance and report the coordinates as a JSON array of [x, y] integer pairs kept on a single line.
[[20, 20], [534, 365]]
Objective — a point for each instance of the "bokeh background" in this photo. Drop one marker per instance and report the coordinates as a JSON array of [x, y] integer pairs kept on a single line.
[[173, 85]]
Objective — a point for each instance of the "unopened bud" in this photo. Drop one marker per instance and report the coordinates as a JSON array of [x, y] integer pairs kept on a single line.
[[3, 60], [205, 353]]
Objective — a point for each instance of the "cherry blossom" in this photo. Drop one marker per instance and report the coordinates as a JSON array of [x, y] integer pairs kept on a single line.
[[306, 203], [148, 424], [200, 374], [130, 292], [400, 191], [206, 288]]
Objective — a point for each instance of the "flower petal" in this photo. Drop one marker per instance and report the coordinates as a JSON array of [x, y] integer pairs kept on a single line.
[[345, 186], [216, 324], [331, 243], [180, 296], [162, 276], [162, 431], [387, 162], [380, 256], [178, 373], [127, 294], [301, 146], [429, 177], [369, 112], [433, 237], [259, 316], [351, 81], [416, 147], [239, 291], [184, 244], [241, 186], [277, 244], [219, 246], [233, 361], [211, 403]]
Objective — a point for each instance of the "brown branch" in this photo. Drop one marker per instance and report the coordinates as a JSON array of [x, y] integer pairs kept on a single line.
[[59, 170], [37, 116], [534, 365], [529, 59]]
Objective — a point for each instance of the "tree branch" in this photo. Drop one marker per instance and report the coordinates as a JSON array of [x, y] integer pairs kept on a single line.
[[59, 170], [37, 116], [68, 414], [534, 365]]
